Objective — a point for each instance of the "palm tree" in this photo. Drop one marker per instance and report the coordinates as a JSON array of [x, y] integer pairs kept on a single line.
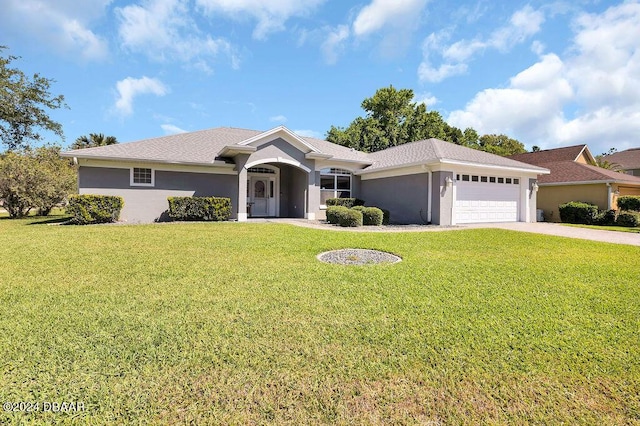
[[93, 140], [602, 162]]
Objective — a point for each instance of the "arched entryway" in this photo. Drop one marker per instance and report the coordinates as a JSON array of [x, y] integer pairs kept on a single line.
[[277, 189]]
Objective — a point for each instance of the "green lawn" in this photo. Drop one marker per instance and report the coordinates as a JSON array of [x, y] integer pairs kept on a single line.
[[607, 228], [230, 323]]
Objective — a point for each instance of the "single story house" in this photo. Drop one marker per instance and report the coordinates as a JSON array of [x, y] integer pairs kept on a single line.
[[278, 173], [575, 177], [627, 160]]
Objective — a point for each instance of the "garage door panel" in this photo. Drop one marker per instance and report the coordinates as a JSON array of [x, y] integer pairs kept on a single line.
[[478, 202]]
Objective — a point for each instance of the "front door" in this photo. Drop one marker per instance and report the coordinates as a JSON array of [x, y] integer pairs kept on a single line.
[[260, 197]]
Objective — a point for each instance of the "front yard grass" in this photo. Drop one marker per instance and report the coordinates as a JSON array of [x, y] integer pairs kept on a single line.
[[228, 323], [607, 228]]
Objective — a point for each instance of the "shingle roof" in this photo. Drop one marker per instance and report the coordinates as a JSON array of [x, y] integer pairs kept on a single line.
[[436, 150], [561, 162], [629, 159], [200, 147], [203, 147], [569, 153], [570, 171]]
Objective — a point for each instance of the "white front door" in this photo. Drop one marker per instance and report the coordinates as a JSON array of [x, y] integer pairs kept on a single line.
[[259, 197]]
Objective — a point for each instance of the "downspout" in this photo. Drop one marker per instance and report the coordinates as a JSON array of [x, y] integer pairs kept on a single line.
[[429, 194]]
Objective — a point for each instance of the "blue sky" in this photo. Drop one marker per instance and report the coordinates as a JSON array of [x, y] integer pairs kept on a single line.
[[547, 73]]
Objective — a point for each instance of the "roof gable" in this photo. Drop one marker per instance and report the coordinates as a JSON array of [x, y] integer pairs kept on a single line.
[[572, 171], [282, 133], [578, 153]]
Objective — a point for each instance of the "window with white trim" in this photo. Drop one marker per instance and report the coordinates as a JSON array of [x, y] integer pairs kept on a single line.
[[334, 183], [141, 176]]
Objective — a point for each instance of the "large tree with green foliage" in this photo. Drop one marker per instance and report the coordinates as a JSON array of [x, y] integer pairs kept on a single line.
[[35, 179], [24, 103], [93, 140], [392, 118]]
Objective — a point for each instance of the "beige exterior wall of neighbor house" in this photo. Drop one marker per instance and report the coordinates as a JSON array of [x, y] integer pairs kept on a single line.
[[550, 197]]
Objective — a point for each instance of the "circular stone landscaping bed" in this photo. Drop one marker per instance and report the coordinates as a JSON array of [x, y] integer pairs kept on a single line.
[[357, 257]]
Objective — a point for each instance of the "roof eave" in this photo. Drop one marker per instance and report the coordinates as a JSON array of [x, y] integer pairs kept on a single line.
[[215, 163], [233, 150], [536, 170]]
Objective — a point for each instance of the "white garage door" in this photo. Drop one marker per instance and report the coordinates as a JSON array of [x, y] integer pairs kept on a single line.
[[495, 201]]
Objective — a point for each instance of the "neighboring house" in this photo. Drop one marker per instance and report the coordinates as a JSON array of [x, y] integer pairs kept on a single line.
[[280, 174], [628, 161], [575, 177]]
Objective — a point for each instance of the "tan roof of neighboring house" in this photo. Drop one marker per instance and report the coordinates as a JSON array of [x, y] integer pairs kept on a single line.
[[570, 171], [569, 153], [628, 159], [205, 146], [565, 169]]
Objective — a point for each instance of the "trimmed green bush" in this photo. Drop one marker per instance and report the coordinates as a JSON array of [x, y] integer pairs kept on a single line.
[[578, 212], [350, 218], [371, 216], [87, 209], [386, 216], [334, 213], [199, 208], [629, 203], [606, 218], [345, 202], [630, 220]]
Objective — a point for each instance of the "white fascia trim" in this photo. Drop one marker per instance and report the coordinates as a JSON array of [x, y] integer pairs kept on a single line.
[[358, 162], [537, 171], [275, 131], [231, 150], [215, 163], [394, 167], [278, 160], [589, 155], [317, 156], [338, 165], [404, 171], [165, 167], [587, 182]]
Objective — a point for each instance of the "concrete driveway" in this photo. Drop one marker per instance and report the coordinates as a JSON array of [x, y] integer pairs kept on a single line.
[[536, 228], [565, 231]]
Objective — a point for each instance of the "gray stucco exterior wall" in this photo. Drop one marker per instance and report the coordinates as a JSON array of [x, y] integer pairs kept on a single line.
[[442, 207], [404, 196], [148, 204], [533, 201], [293, 183]]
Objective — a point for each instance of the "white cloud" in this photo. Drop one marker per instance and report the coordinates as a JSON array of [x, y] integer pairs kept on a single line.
[[165, 30], [278, 119], [170, 129], [309, 134], [63, 25], [334, 43], [380, 13], [425, 98], [270, 14], [131, 87], [598, 80], [523, 24]]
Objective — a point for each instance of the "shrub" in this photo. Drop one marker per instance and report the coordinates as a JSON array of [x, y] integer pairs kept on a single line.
[[630, 220], [606, 218], [350, 218], [629, 203], [345, 202], [87, 209], [371, 216], [386, 216], [199, 208], [334, 213], [578, 212]]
